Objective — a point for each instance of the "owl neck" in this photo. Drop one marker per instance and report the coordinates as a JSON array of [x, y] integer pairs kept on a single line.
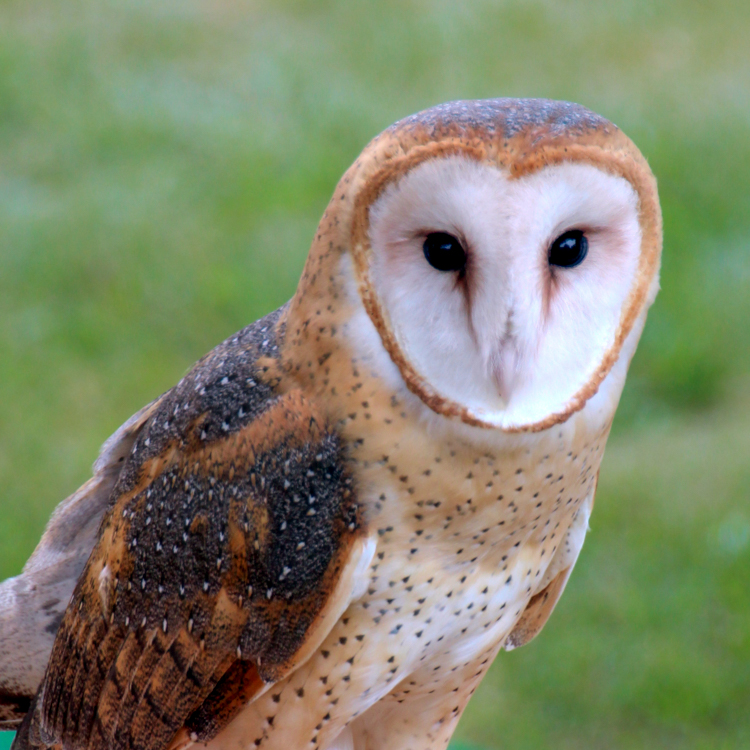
[[429, 472]]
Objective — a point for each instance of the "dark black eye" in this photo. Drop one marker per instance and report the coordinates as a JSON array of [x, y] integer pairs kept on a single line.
[[569, 249], [444, 252]]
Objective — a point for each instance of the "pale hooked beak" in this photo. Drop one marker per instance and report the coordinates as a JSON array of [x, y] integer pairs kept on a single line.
[[505, 368]]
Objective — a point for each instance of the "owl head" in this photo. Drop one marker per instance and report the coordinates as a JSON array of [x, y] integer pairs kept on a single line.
[[505, 252]]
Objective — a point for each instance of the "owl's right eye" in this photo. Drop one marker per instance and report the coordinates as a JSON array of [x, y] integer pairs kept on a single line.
[[444, 252]]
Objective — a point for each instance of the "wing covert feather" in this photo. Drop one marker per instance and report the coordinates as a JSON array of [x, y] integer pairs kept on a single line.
[[540, 606], [228, 550]]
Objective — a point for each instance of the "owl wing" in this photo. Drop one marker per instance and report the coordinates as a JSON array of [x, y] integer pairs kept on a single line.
[[33, 603], [232, 545], [541, 604]]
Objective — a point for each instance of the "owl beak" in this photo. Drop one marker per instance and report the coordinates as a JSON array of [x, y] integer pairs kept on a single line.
[[505, 370], [503, 386]]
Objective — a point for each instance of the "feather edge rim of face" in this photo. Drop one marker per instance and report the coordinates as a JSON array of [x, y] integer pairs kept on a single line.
[[626, 162]]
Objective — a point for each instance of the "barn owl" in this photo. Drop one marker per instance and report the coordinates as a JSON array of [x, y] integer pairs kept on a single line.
[[323, 535]]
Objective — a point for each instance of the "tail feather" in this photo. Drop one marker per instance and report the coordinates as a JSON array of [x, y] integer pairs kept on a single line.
[[27, 738], [22, 740], [13, 707]]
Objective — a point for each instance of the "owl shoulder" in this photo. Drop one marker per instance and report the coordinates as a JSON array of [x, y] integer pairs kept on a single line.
[[231, 544]]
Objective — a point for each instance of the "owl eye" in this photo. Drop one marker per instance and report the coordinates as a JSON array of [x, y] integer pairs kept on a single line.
[[444, 252], [569, 249]]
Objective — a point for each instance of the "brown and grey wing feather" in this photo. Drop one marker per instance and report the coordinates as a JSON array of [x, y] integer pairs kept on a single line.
[[543, 602], [220, 561], [33, 603]]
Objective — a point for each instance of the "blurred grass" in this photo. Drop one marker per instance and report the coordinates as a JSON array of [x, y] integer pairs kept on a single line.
[[162, 170]]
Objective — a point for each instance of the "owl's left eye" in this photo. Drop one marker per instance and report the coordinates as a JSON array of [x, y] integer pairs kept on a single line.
[[444, 252], [569, 249]]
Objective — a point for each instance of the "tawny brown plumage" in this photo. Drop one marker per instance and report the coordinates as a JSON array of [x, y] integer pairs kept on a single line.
[[295, 551]]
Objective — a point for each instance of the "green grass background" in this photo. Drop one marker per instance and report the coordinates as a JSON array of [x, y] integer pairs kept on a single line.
[[163, 166]]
